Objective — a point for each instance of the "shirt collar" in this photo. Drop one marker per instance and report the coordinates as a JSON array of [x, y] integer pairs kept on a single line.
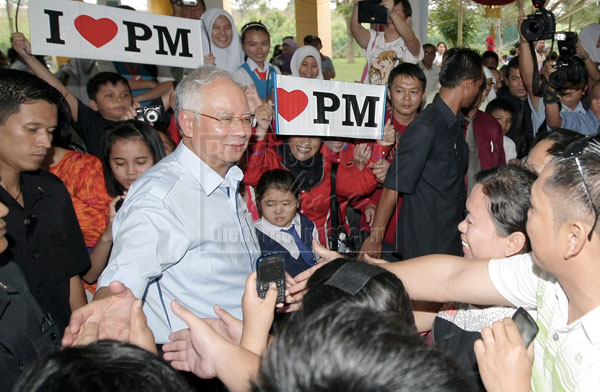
[[252, 64], [590, 322], [271, 230], [448, 116], [204, 174]]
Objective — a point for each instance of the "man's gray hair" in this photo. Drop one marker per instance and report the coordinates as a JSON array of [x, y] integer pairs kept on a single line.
[[188, 94]]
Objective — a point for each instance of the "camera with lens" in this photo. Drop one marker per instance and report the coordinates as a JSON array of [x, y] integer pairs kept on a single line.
[[540, 25], [371, 11], [570, 69], [149, 114]]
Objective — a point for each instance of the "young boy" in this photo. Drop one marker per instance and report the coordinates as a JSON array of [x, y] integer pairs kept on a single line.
[[502, 110], [110, 98]]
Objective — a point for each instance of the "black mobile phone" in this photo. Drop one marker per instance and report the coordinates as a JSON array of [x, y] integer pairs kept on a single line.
[[526, 325], [371, 11], [270, 268]]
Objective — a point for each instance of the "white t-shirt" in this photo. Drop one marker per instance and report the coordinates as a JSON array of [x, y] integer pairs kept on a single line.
[[383, 56], [567, 356]]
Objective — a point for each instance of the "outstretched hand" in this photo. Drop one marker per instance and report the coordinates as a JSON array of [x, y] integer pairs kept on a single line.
[[112, 315]]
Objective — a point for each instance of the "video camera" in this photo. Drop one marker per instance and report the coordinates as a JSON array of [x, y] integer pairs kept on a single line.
[[570, 69]]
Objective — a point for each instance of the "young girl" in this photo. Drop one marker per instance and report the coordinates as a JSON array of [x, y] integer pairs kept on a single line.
[[257, 71], [129, 148], [220, 40], [282, 228]]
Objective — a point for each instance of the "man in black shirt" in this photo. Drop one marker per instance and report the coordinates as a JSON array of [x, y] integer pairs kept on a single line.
[[430, 165], [42, 229]]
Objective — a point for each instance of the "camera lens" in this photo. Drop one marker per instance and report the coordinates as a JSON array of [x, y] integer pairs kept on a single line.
[[152, 116], [557, 79]]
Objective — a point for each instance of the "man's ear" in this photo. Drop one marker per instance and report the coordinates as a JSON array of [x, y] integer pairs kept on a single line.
[[516, 243], [576, 236], [93, 105], [186, 122]]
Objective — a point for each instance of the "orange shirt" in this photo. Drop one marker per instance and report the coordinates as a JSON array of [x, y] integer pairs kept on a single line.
[[83, 176]]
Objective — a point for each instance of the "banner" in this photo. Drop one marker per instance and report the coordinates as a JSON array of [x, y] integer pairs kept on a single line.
[[74, 29], [313, 107]]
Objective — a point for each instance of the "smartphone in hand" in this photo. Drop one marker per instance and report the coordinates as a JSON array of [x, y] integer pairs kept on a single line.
[[270, 268], [526, 325]]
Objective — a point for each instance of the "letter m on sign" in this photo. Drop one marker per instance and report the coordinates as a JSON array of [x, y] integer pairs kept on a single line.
[[180, 34]]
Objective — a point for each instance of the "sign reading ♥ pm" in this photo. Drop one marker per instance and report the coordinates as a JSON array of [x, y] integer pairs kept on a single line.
[[75, 29], [312, 107]]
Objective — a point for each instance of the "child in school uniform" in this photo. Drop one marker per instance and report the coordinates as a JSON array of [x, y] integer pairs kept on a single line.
[[256, 70], [281, 228]]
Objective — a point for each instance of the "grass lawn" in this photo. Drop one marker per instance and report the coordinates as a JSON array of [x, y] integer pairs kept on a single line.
[[349, 72]]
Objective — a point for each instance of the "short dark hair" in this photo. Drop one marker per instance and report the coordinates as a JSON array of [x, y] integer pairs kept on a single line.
[[461, 64], [408, 70], [406, 5], [561, 138], [279, 179], [428, 45], [102, 79], [382, 292], [565, 186], [513, 63], [19, 87], [500, 104], [508, 188], [129, 129], [490, 54], [104, 365], [350, 348], [254, 26]]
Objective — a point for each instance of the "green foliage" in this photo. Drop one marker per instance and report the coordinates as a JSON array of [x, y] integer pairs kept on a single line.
[[349, 72], [443, 21]]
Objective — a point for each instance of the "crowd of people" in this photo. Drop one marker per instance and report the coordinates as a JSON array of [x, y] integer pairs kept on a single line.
[[131, 239]]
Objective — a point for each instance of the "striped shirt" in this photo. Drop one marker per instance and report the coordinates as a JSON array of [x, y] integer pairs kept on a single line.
[[567, 356]]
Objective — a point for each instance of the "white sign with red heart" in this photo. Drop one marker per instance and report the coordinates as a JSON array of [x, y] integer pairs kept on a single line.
[[73, 29], [312, 107]]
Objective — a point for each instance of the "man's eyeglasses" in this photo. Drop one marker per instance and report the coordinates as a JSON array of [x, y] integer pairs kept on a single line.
[[227, 121], [574, 150]]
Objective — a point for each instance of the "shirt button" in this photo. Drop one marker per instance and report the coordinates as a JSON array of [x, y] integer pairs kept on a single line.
[[302, 211], [555, 337], [21, 367], [36, 255]]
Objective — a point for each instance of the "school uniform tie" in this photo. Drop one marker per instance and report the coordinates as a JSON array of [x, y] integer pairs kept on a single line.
[[305, 250], [261, 75]]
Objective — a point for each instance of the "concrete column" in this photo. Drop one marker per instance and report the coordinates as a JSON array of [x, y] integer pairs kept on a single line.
[[314, 17]]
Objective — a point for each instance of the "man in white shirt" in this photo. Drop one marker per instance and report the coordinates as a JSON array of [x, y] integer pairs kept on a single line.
[[431, 71], [184, 232], [560, 279]]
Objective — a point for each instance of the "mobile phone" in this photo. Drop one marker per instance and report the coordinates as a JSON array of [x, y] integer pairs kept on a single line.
[[270, 268], [526, 325]]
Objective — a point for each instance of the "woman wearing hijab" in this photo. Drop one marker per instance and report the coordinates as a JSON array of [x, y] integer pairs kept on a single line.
[[221, 39], [289, 47], [306, 63]]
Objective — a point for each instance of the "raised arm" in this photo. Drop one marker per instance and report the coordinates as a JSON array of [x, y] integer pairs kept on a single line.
[[401, 23], [360, 34], [23, 48], [526, 67], [443, 278]]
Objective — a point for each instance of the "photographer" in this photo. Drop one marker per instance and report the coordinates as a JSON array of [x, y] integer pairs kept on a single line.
[[570, 98], [586, 123], [384, 50]]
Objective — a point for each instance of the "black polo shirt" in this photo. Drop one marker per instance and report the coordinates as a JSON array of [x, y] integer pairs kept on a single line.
[[428, 170], [45, 240]]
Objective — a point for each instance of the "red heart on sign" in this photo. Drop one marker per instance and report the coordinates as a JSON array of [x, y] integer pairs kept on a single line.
[[97, 32], [291, 104]]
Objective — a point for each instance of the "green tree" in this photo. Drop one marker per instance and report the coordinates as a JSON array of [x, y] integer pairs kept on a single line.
[[443, 20], [344, 9]]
